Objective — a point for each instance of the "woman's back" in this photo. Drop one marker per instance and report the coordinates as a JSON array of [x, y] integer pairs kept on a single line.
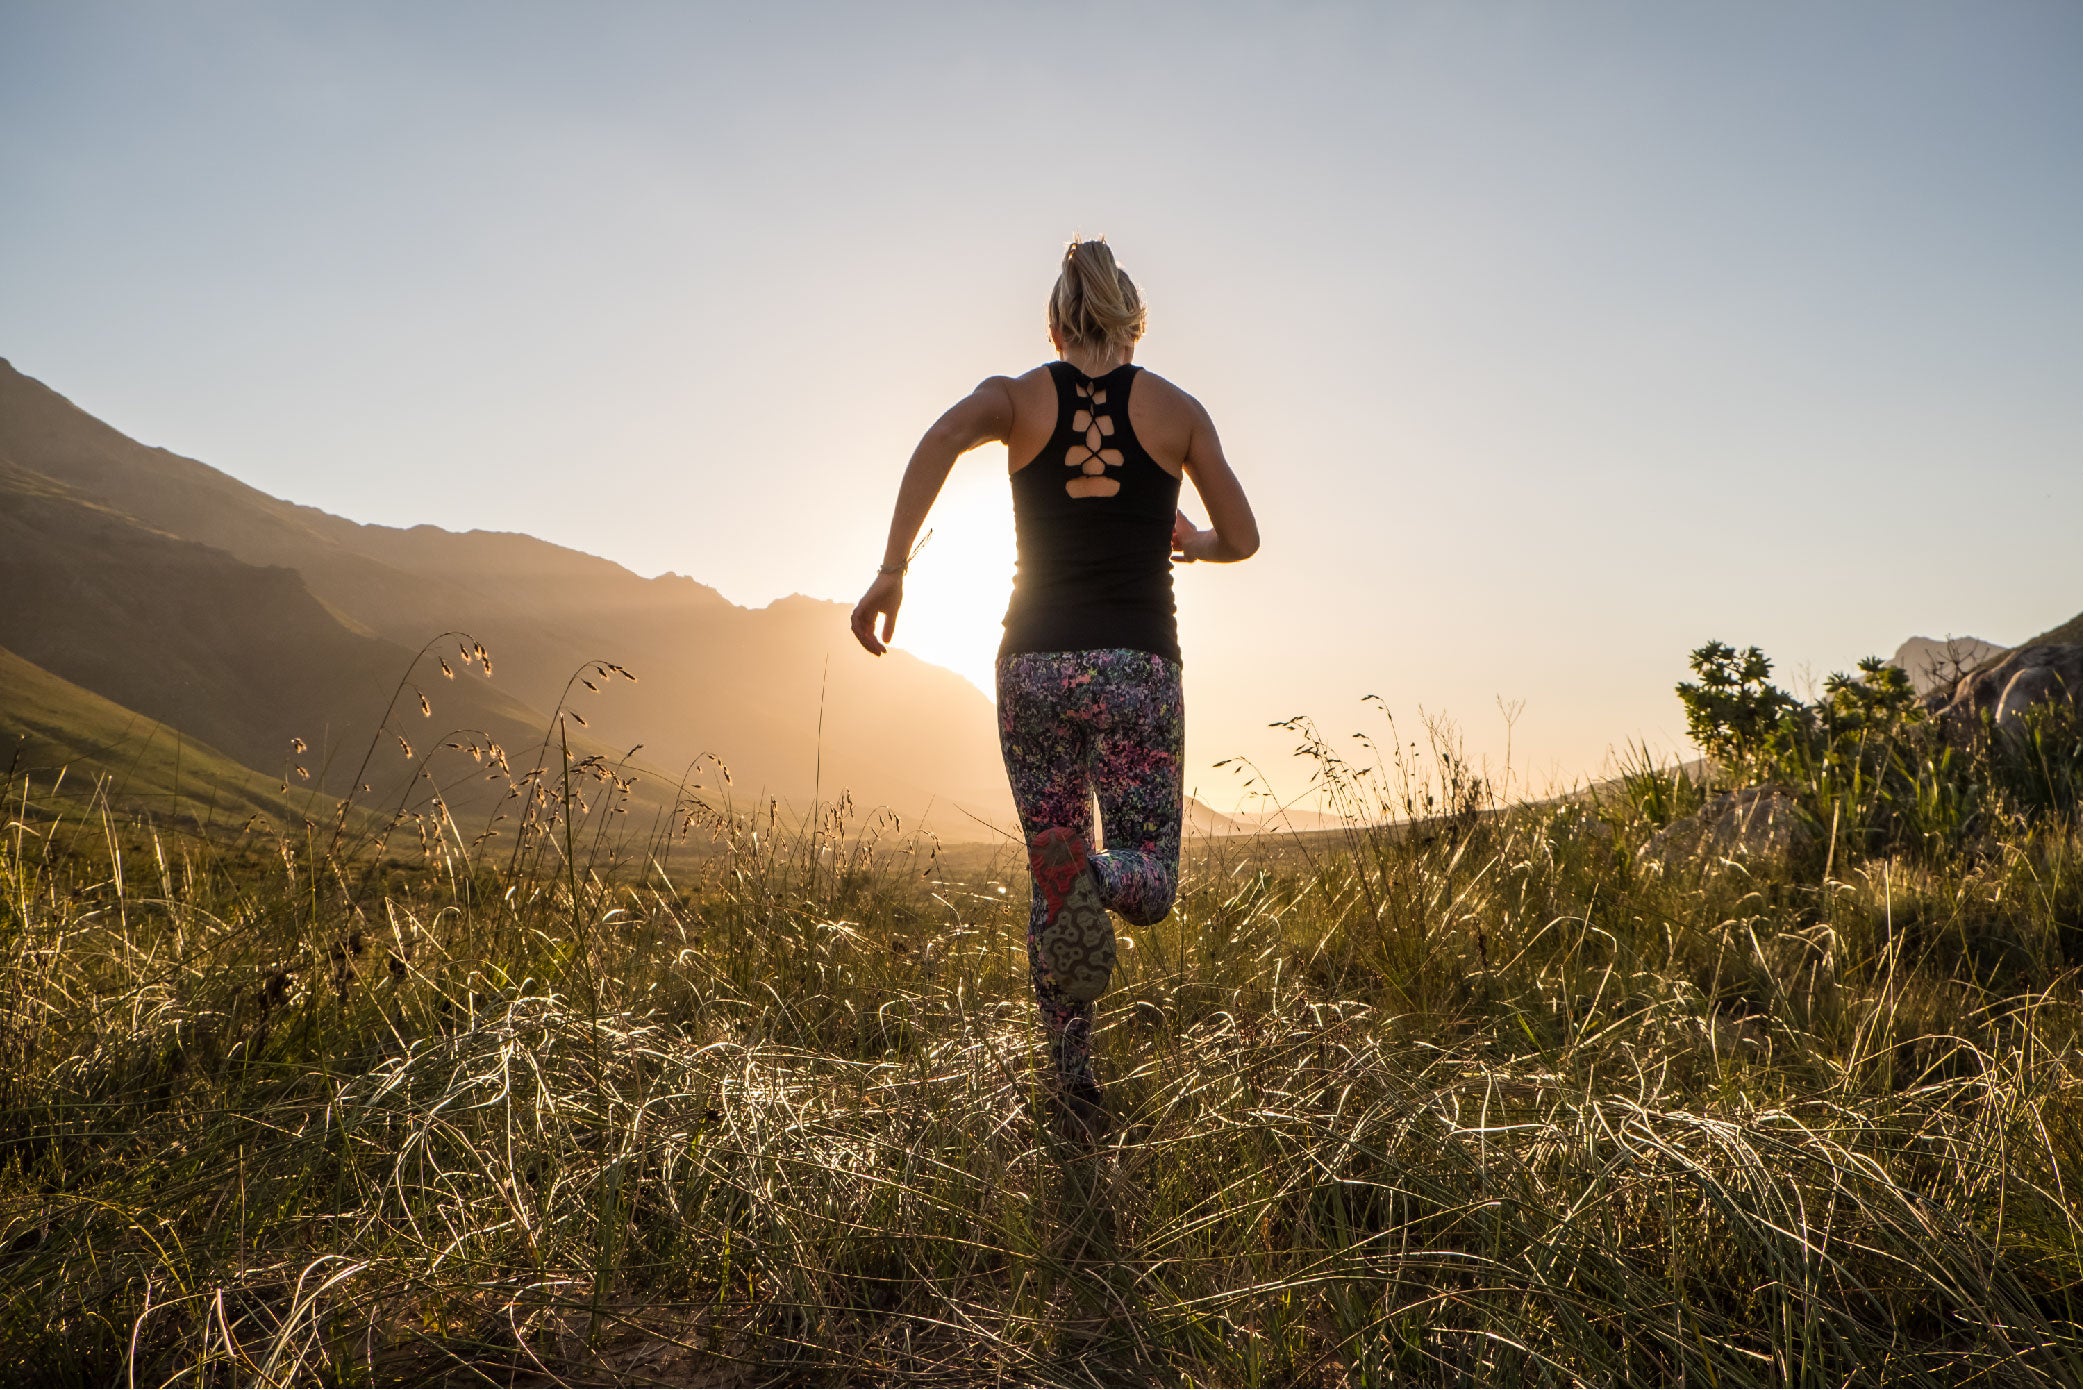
[[1093, 512]]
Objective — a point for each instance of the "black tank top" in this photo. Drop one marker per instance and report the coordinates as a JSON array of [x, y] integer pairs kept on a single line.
[[1093, 516]]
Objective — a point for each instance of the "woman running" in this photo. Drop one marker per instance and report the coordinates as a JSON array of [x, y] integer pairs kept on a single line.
[[1089, 671]]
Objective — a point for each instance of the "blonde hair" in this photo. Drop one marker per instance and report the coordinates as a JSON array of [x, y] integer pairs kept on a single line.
[[1094, 303]]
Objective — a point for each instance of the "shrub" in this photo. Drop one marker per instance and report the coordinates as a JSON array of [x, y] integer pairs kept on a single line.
[[1871, 768]]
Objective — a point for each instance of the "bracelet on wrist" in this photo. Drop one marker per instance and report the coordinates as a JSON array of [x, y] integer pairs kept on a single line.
[[892, 569]]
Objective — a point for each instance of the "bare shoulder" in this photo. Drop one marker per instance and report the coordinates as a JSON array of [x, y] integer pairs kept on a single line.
[[1030, 381], [1033, 398], [1163, 399], [991, 411], [1166, 418]]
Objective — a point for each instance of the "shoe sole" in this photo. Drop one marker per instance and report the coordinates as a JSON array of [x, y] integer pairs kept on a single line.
[[1077, 945]]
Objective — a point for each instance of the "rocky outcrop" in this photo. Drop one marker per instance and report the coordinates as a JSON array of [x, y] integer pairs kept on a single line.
[[1761, 825], [2000, 691]]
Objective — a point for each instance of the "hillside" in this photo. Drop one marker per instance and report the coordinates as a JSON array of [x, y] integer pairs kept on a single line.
[[2069, 634], [155, 572], [50, 726], [1377, 1106]]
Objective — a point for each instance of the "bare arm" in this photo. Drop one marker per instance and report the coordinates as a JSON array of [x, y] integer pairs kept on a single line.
[[1233, 532], [984, 416]]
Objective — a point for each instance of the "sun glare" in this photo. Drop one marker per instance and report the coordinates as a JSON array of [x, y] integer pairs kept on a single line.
[[956, 593]]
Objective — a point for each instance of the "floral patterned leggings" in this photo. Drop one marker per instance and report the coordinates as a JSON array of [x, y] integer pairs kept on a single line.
[[1107, 724]]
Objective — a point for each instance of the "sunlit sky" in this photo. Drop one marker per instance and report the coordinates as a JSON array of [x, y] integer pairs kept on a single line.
[[1549, 340]]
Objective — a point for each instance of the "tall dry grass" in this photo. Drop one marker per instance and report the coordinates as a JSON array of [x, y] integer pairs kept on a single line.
[[1464, 1093]]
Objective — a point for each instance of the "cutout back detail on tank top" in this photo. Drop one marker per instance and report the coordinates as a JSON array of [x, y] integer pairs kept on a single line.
[[1089, 456]]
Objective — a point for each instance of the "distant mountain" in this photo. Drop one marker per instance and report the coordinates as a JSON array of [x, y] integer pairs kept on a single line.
[[1931, 663], [244, 620]]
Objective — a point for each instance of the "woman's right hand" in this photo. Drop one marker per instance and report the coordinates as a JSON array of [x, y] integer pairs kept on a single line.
[[1187, 539], [883, 598]]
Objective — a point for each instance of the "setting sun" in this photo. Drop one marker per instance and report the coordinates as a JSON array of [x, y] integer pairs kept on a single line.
[[955, 596]]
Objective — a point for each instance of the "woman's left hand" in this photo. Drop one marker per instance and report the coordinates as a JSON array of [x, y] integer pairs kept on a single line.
[[883, 598]]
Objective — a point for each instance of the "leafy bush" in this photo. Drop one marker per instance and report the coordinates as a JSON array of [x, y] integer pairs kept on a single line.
[[1733, 712]]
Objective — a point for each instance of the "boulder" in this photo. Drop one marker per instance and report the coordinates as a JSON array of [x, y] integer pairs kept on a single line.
[[1762, 825], [2035, 685], [2002, 690]]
